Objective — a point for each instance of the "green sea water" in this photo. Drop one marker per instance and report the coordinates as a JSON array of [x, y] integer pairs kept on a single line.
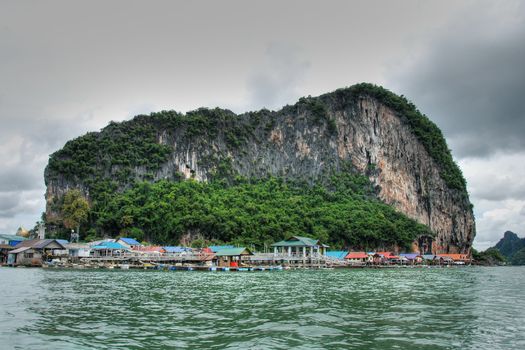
[[452, 308]]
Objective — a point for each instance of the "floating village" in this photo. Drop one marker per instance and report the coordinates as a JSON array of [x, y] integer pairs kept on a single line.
[[127, 253]]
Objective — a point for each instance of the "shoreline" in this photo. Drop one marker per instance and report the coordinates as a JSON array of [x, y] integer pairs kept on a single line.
[[167, 268]]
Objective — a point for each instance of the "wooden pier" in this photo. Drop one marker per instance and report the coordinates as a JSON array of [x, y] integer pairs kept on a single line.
[[296, 260], [202, 261]]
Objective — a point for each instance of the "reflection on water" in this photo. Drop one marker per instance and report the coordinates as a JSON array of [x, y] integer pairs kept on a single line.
[[454, 308]]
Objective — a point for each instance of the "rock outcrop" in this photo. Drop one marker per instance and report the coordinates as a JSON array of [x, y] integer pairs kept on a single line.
[[306, 141], [510, 244]]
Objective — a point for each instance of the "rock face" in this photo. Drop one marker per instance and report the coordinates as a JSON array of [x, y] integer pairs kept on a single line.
[[510, 244], [305, 141]]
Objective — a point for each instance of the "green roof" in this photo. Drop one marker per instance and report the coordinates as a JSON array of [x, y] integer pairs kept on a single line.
[[12, 237], [297, 241], [233, 252]]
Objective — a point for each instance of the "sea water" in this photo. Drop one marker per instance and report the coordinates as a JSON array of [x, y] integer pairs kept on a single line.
[[420, 308]]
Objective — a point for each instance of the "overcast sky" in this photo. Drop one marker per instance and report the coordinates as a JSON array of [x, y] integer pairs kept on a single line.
[[68, 67]]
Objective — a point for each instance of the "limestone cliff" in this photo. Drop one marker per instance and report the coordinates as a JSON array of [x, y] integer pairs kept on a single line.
[[380, 134]]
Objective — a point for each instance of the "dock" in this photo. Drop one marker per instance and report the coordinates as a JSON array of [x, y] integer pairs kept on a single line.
[[201, 262]]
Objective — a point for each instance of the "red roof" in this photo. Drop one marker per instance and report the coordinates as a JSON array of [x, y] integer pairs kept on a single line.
[[206, 256], [150, 249], [387, 255], [455, 257], [356, 255]]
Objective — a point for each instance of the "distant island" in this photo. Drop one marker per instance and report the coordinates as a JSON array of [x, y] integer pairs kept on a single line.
[[359, 168], [509, 250]]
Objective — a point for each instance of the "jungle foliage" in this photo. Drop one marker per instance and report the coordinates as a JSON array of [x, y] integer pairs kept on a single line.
[[518, 258], [75, 209], [343, 212], [120, 149], [491, 256]]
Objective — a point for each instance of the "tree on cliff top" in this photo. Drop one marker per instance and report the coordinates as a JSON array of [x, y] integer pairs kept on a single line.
[[75, 209]]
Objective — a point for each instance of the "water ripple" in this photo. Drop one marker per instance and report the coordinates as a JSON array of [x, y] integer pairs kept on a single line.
[[464, 308]]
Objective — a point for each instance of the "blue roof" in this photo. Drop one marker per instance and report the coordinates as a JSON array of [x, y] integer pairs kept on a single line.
[[336, 254], [62, 241], [216, 248], [173, 249], [12, 238], [110, 246], [129, 241]]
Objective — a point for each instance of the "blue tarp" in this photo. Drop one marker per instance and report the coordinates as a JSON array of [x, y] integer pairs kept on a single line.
[[336, 254], [12, 240], [109, 246], [170, 249], [129, 241], [14, 243]]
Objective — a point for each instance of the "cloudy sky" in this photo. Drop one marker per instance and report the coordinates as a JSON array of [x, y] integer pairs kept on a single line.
[[68, 67]]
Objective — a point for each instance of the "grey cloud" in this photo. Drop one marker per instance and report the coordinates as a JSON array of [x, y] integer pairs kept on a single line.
[[8, 212], [19, 203], [470, 81], [25, 146], [495, 217], [277, 80], [20, 177], [497, 189], [496, 178], [8, 202], [511, 186], [499, 194]]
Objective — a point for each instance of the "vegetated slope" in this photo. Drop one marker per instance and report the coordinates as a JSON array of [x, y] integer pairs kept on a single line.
[[512, 247], [362, 131], [259, 212]]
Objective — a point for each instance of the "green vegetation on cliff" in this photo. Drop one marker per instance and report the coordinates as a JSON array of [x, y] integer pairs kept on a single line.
[[110, 159], [512, 248], [518, 258], [121, 147], [75, 210], [342, 212], [118, 170], [490, 256]]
